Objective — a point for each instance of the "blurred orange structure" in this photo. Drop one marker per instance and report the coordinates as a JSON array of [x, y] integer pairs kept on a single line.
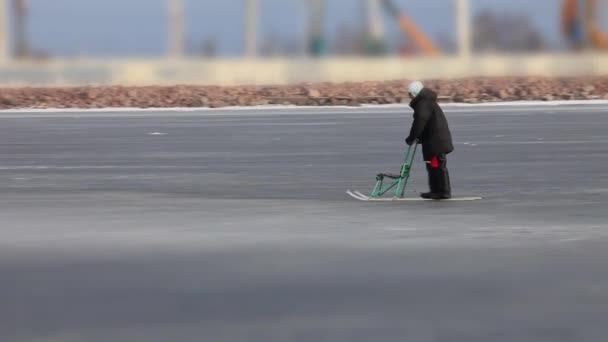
[[409, 28], [582, 27]]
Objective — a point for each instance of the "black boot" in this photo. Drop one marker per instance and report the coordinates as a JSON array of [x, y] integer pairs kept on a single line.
[[427, 195], [435, 196]]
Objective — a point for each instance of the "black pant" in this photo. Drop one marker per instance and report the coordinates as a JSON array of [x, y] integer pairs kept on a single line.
[[439, 176]]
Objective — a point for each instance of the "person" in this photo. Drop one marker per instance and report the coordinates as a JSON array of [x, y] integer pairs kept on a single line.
[[430, 129]]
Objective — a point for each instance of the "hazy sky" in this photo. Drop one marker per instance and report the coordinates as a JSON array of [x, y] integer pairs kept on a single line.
[[121, 27]]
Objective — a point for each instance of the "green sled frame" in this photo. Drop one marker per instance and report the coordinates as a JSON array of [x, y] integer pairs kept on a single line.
[[397, 182]]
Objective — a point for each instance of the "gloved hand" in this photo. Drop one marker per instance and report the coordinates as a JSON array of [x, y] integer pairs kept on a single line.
[[409, 141]]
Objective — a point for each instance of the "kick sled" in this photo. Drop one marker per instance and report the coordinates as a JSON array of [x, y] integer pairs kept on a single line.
[[386, 182]]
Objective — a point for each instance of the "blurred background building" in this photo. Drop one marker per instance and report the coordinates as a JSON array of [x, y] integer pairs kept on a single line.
[[204, 41]]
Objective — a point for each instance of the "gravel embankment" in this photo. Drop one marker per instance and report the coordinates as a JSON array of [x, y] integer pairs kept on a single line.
[[324, 94]]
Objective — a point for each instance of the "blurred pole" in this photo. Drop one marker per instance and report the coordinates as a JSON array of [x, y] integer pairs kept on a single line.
[[176, 28], [375, 26], [375, 35], [251, 28], [4, 54], [22, 49], [584, 15], [464, 28], [317, 16]]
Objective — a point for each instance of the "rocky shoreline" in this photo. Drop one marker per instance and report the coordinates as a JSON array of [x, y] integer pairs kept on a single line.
[[476, 90]]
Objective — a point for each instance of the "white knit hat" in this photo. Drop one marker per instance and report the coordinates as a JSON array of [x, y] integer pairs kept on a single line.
[[415, 88]]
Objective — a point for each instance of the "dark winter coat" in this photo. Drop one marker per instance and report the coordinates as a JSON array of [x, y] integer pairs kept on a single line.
[[430, 125]]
